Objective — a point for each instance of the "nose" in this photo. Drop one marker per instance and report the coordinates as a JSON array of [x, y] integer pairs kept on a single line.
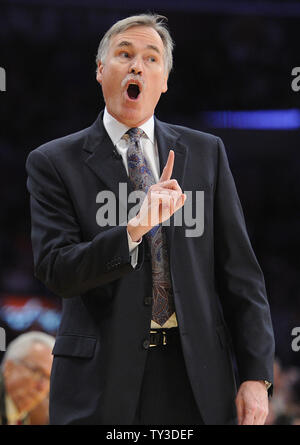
[[136, 66]]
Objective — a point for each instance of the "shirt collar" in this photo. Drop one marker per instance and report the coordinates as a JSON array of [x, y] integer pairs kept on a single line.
[[116, 129], [14, 417]]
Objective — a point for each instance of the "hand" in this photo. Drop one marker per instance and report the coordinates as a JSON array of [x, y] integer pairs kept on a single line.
[[162, 200], [252, 403]]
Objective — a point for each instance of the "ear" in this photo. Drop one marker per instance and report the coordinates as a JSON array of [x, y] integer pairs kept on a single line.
[[165, 84], [100, 72]]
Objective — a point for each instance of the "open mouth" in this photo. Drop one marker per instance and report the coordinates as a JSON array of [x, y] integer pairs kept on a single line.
[[133, 91]]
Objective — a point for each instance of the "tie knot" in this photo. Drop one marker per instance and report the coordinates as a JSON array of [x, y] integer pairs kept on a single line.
[[134, 134]]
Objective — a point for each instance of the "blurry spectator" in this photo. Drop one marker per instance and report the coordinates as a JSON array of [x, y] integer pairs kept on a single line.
[[293, 405], [284, 406], [26, 368]]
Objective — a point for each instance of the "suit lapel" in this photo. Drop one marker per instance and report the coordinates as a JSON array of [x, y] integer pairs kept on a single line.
[[168, 139], [103, 163]]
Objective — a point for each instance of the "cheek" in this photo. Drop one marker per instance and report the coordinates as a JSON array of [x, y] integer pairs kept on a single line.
[[42, 385], [159, 84], [155, 92], [111, 83], [108, 89]]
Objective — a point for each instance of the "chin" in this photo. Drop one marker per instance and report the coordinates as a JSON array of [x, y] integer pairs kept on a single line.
[[132, 117]]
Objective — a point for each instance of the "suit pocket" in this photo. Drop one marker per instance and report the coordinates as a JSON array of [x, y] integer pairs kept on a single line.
[[74, 346]]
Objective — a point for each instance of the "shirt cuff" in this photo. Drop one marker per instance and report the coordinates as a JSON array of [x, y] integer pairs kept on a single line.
[[132, 244], [133, 250]]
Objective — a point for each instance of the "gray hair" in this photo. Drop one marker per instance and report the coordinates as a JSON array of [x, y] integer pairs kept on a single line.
[[19, 348], [154, 21]]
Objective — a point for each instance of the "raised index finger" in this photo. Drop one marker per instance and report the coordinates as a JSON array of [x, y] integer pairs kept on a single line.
[[168, 169]]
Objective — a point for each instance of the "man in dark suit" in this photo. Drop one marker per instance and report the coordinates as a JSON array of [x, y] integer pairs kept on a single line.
[[151, 310]]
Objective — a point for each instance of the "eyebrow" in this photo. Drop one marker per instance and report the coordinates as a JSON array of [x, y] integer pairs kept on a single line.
[[126, 43]]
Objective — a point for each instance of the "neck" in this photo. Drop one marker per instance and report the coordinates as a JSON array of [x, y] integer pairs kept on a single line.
[[129, 122]]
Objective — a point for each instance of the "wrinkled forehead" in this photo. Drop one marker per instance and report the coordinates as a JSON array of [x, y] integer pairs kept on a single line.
[[138, 37]]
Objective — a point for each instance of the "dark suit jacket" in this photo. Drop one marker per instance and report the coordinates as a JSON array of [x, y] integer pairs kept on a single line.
[[219, 290]]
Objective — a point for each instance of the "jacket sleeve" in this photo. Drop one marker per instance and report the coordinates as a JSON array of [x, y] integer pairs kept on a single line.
[[62, 261], [240, 282]]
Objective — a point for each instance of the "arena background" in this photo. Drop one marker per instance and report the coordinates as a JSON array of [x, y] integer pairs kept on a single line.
[[232, 77]]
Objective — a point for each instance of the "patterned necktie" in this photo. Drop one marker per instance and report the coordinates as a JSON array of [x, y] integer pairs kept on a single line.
[[142, 178]]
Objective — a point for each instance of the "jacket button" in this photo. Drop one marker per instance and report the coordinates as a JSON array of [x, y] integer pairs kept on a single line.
[[146, 344], [148, 301]]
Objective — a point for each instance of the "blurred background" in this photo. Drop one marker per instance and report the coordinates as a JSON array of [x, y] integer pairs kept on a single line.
[[232, 77]]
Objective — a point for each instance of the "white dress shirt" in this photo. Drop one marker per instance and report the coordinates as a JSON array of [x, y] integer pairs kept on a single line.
[[116, 131]]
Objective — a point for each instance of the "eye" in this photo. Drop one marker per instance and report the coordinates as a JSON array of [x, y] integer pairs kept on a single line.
[[152, 59], [124, 54]]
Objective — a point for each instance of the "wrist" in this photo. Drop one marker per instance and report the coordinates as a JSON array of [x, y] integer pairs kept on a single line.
[[135, 230]]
